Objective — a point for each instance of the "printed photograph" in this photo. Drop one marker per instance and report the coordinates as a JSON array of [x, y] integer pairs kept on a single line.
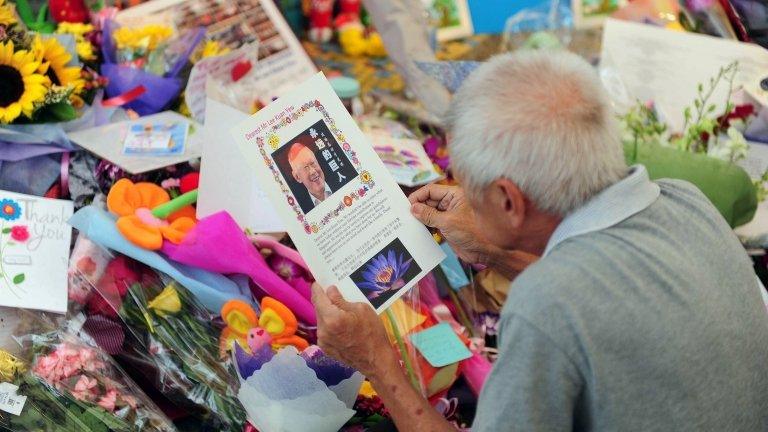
[[450, 17], [314, 166], [386, 273]]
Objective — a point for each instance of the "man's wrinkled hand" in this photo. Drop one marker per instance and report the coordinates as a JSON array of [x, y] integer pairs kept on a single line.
[[350, 332], [446, 208]]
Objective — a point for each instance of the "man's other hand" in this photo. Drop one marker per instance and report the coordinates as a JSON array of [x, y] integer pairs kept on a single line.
[[351, 333]]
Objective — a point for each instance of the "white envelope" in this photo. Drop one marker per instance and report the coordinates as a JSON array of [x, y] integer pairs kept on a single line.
[[227, 182]]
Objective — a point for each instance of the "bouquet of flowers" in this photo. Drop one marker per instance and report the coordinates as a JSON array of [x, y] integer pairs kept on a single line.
[[39, 82], [70, 384], [150, 58], [168, 336]]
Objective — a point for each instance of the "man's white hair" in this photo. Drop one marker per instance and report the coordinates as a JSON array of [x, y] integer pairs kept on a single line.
[[540, 119]]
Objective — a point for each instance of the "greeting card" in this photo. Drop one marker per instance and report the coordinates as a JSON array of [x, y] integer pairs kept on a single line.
[[342, 208], [34, 252]]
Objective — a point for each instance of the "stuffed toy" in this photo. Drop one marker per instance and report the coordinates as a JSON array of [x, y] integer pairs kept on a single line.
[[320, 20]]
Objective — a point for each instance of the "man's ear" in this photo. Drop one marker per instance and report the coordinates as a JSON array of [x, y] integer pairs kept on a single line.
[[295, 176], [509, 200]]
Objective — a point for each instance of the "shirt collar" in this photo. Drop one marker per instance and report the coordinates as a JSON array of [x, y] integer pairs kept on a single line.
[[618, 202], [328, 192]]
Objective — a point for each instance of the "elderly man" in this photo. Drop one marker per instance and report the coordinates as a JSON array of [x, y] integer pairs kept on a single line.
[[307, 171], [634, 306]]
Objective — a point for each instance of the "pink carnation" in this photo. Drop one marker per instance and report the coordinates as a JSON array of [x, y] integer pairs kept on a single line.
[[108, 400], [85, 388]]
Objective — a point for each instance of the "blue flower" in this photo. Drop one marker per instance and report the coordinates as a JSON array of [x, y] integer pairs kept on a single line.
[[9, 210], [384, 273]]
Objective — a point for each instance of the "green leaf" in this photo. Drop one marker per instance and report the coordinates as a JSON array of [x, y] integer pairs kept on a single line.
[[19, 278], [63, 111], [6, 230], [10, 243]]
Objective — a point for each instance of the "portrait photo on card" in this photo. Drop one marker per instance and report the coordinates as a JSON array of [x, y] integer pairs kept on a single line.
[[386, 273], [314, 166]]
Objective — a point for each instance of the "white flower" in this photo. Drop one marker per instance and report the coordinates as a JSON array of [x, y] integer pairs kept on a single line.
[[731, 149]]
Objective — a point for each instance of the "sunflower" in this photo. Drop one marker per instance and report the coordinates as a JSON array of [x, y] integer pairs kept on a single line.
[[22, 86], [7, 17], [54, 59]]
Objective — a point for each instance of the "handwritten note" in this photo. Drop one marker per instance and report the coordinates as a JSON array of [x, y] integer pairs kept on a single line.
[[440, 345], [34, 250]]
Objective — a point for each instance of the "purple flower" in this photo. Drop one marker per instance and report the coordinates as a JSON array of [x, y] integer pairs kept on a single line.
[[699, 5], [328, 370], [247, 364], [384, 273]]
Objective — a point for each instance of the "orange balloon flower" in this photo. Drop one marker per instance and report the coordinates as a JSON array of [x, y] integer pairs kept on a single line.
[[276, 326], [133, 203]]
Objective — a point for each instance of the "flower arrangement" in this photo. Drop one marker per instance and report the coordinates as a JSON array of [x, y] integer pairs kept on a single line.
[[39, 84], [71, 385], [718, 135], [166, 334]]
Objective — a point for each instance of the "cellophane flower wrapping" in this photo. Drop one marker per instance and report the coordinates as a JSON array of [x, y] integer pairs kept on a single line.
[[160, 88], [166, 334], [71, 384], [292, 392]]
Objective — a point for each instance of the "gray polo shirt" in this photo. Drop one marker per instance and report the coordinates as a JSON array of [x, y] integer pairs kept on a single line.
[[643, 315]]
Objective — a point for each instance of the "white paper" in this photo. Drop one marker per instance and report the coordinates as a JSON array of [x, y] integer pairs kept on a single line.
[[285, 395], [665, 66], [107, 143], [10, 401], [227, 181], [343, 210], [33, 264]]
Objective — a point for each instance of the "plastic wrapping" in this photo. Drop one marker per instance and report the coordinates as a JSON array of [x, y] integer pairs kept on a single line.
[[159, 78], [165, 332], [547, 25], [71, 384]]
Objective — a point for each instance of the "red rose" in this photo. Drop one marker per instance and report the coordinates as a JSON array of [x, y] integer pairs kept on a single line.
[[118, 276], [86, 265], [20, 233], [189, 182]]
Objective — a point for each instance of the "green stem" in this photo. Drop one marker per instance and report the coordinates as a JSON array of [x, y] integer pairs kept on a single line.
[[462, 313], [2, 267], [403, 353], [164, 210]]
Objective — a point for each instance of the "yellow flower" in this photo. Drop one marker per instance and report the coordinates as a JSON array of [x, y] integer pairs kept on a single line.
[[166, 302], [22, 85], [7, 15], [54, 59], [85, 50], [9, 365], [148, 36], [77, 29], [210, 49], [366, 390]]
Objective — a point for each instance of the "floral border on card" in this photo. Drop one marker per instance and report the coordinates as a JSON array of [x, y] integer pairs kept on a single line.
[[273, 141]]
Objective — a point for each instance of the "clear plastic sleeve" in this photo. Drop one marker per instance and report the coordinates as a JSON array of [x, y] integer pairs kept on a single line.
[[71, 384], [157, 327]]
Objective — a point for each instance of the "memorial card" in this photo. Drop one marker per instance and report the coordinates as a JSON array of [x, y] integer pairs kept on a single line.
[[34, 252], [342, 208]]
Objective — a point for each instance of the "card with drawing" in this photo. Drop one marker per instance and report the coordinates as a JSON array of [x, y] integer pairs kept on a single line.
[[34, 252], [344, 211]]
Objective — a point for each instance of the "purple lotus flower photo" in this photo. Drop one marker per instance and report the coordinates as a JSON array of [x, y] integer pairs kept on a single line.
[[386, 273]]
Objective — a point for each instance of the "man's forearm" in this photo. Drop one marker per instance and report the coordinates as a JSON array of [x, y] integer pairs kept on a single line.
[[408, 408]]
